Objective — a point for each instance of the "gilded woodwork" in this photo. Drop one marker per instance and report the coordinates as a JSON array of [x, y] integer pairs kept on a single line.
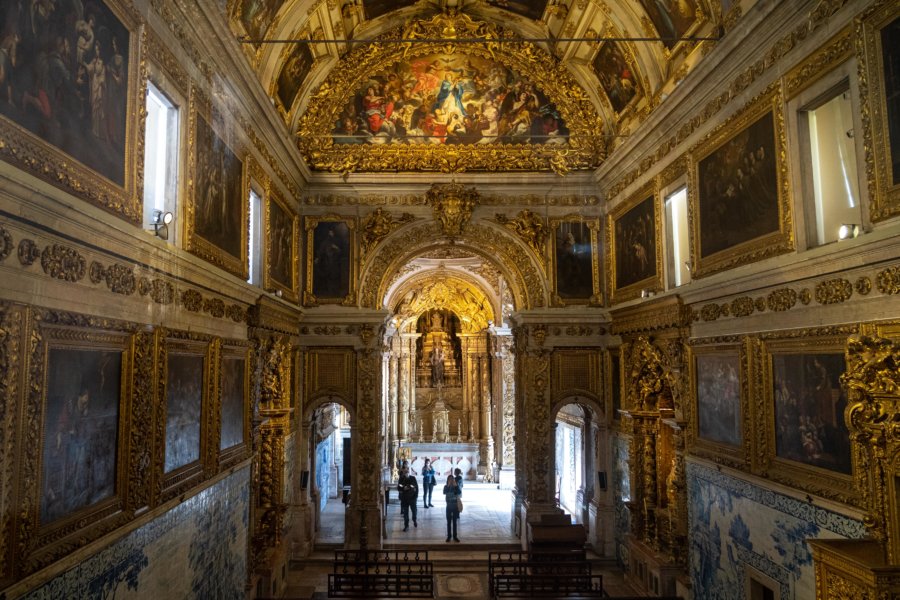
[[377, 226], [291, 292], [655, 282], [584, 149], [12, 330], [531, 228], [6, 243], [310, 223], [452, 205], [853, 570], [444, 291], [28, 252], [596, 298], [538, 426], [63, 262], [330, 200]]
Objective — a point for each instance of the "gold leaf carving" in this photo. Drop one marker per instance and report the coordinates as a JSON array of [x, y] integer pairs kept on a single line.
[[888, 280], [62, 262], [781, 299], [833, 291]]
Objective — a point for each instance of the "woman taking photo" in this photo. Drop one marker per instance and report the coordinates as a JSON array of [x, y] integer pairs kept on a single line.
[[452, 494]]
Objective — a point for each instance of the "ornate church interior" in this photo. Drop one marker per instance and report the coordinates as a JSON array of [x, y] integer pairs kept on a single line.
[[629, 266]]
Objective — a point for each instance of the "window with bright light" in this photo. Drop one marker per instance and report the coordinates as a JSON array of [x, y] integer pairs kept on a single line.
[[255, 238], [160, 162], [678, 253]]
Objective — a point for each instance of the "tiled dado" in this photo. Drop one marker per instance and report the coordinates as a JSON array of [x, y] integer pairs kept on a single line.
[[198, 549]]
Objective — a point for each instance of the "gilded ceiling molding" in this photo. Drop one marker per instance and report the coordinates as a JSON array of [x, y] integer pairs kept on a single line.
[[452, 205], [378, 225], [531, 228], [441, 289], [330, 200], [585, 147], [493, 243]]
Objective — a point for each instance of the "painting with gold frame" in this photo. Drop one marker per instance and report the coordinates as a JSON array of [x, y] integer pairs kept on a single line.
[[282, 235], [234, 407], [78, 406], [83, 141], [673, 21], [184, 399], [619, 80], [575, 260], [330, 260], [634, 252], [297, 61], [881, 32], [218, 189], [807, 443], [739, 199], [721, 424]]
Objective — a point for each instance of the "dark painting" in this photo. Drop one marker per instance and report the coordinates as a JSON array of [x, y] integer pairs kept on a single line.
[[719, 398], [257, 15], [293, 74], [890, 48], [64, 78], [281, 245], [233, 370], [331, 260], [531, 9], [376, 8], [615, 75], [738, 189], [449, 99], [809, 410], [218, 201], [635, 240], [671, 18], [184, 397], [80, 430], [574, 275]]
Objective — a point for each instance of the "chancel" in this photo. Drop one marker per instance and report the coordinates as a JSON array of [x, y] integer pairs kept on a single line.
[[616, 282]]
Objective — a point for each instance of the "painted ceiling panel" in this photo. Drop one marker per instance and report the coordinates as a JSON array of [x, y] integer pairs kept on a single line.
[[532, 9], [376, 8]]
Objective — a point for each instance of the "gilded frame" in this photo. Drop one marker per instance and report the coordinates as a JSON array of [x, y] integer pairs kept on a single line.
[[613, 253], [818, 480], [41, 543], [311, 223], [613, 385], [682, 46], [766, 245], [593, 225], [227, 457], [269, 280], [884, 196], [200, 108], [736, 455], [171, 343], [27, 151]]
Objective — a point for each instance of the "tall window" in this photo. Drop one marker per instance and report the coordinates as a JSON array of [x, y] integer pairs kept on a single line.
[[160, 162], [677, 248], [256, 240], [832, 160]]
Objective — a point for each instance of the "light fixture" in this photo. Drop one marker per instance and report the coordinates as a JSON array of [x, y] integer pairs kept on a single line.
[[161, 221], [847, 231]]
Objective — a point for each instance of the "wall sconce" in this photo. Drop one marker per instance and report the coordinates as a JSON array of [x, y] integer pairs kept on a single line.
[[848, 231], [161, 222]]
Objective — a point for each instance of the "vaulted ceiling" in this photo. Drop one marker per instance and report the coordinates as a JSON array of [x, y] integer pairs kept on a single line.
[[398, 85]]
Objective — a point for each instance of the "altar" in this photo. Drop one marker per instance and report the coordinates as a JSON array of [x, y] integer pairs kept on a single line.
[[445, 457]]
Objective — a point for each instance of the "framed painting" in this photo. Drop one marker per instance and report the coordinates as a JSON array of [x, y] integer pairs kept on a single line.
[[234, 414], [255, 16], [617, 78], [530, 9], [330, 260], [281, 271], [739, 200], [720, 425], [287, 85], [672, 19], [217, 215], [881, 40], [635, 252], [807, 440], [69, 84], [184, 394], [576, 270]]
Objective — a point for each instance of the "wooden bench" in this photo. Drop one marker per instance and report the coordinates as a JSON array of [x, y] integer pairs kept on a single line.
[[381, 573]]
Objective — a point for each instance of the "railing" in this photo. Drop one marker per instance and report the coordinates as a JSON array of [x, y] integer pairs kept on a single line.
[[542, 575], [381, 573]]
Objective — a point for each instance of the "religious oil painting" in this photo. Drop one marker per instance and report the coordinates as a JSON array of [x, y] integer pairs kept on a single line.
[[718, 382], [233, 387], [809, 406], [218, 193], [616, 76], [635, 244], [449, 99], [282, 231], [257, 15], [329, 260], [574, 260], [375, 8], [184, 399], [671, 18], [531, 9], [890, 50], [81, 422], [292, 76]]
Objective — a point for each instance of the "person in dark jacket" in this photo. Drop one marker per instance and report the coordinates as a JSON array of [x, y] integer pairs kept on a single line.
[[452, 493], [457, 474], [409, 493], [427, 483]]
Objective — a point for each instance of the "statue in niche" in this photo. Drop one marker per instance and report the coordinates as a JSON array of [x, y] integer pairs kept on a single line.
[[437, 321], [437, 366]]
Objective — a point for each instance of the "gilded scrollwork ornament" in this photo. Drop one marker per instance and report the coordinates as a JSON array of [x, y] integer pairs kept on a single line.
[[452, 204], [6, 243], [530, 227], [28, 252], [378, 225]]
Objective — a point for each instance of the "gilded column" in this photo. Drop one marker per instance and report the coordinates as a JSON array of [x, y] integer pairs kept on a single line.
[[486, 440], [406, 378]]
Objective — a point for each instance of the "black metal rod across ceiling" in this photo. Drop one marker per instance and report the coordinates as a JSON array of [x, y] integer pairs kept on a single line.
[[507, 40]]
